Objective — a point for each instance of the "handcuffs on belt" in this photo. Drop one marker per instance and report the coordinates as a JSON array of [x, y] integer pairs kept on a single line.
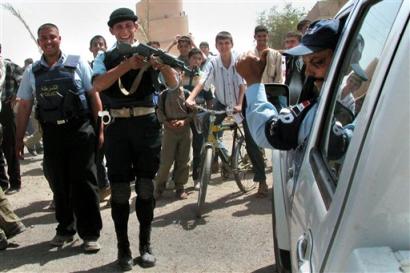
[[108, 116], [105, 116]]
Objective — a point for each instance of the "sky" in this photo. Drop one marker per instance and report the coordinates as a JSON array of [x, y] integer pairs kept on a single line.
[[80, 20]]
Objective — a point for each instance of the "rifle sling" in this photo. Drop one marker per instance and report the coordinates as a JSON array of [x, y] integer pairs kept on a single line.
[[135, 83]]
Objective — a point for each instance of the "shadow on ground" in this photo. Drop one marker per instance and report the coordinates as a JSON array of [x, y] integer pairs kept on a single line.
[[27, 214], [33, 172], [40, 254], [186, 216], [266, 269]]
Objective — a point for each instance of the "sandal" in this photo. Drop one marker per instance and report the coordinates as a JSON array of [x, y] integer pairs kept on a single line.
[[262, 190]]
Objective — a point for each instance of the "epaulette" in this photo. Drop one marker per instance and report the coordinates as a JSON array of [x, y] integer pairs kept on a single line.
[[71, 61]]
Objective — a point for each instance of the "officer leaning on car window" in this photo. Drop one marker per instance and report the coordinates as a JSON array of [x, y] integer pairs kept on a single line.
[[133, 138], [66, 103], [290, 128]]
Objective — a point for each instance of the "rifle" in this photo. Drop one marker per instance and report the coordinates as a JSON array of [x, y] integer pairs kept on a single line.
[[147, 51]]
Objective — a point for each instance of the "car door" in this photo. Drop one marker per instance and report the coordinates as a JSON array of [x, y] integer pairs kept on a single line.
[[344, 111]]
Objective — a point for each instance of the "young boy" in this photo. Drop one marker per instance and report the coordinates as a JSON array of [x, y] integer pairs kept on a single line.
[[98, 44], [176, 139], [229, 91], [204, 98]]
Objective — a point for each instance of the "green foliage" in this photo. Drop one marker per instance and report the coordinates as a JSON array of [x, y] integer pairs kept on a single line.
[[280, 22]]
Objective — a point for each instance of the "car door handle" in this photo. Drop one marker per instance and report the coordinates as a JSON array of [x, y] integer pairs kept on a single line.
[[301, 247], [301, 250]]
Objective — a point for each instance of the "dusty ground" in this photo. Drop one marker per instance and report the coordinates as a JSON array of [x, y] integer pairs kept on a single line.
[[234, 235]]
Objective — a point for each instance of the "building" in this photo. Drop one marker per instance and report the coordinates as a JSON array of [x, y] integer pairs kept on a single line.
[[161, 21], [325, 9]]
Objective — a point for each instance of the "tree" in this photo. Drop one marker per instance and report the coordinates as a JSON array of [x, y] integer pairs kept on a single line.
[[280, 22]]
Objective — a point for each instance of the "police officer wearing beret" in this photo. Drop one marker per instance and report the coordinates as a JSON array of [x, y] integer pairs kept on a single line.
[[133, 139], [66, 103]]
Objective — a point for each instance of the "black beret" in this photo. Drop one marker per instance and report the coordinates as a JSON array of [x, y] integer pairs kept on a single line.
[[121, 14]]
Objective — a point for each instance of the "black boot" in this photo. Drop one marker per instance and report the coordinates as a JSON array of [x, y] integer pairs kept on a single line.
[[120, 214], [124, 258], [147, 258]]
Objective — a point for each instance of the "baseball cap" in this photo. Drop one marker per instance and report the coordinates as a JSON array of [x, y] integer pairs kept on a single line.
[[321, 34], [121, 14]]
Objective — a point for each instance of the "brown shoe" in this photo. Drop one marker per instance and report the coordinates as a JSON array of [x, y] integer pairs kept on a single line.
[[262, 190], [181, 194]]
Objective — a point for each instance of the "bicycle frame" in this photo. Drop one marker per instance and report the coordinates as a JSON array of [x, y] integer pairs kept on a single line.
[[216, 143]]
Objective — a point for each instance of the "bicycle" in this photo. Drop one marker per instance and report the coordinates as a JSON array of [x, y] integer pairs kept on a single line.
[[238, 163]]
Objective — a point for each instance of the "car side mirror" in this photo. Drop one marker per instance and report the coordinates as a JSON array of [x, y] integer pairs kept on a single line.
[[277, 94]]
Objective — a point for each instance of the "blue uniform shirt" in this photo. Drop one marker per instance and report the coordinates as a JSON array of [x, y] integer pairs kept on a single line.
[[82, 77], [259, 112], [98, 65]]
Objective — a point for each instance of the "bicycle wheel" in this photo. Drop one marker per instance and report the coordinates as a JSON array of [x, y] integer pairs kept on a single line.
[[242, 167], [205, 177]]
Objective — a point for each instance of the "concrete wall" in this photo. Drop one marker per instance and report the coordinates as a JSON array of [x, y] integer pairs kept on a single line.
[[325, 9]]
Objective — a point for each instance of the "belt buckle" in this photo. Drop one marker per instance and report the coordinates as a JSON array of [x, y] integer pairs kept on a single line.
[[61, 121], [131, 110]]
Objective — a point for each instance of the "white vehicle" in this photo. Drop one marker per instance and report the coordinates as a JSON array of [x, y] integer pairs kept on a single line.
[[352, 213]]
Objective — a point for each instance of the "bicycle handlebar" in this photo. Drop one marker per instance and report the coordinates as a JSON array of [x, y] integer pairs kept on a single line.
[[210, 111]]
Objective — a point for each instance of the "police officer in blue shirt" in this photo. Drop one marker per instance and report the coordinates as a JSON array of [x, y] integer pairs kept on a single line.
[[289, 129], [133, 139], [61, 85]]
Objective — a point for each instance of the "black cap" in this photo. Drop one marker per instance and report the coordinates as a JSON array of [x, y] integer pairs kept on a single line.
[[121, 14], [321, 34]]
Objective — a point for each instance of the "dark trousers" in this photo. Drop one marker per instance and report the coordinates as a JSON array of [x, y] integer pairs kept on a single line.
[[8, 146], [197, 142], [255, 155], [133, 148], [254, 152], [102, 176], [69, 157]]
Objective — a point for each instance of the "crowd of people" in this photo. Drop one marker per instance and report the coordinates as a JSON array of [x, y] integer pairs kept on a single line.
[[150, 107]]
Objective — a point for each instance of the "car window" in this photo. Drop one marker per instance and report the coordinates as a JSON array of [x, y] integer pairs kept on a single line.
[[353, 82]]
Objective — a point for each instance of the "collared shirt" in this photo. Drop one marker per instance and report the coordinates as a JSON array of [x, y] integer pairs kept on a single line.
[[226, 80], [14, 74], [82, 77], [273, 68]]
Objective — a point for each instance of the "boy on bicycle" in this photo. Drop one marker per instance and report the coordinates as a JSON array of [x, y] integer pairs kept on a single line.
[[204, 98], [220, 71]]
